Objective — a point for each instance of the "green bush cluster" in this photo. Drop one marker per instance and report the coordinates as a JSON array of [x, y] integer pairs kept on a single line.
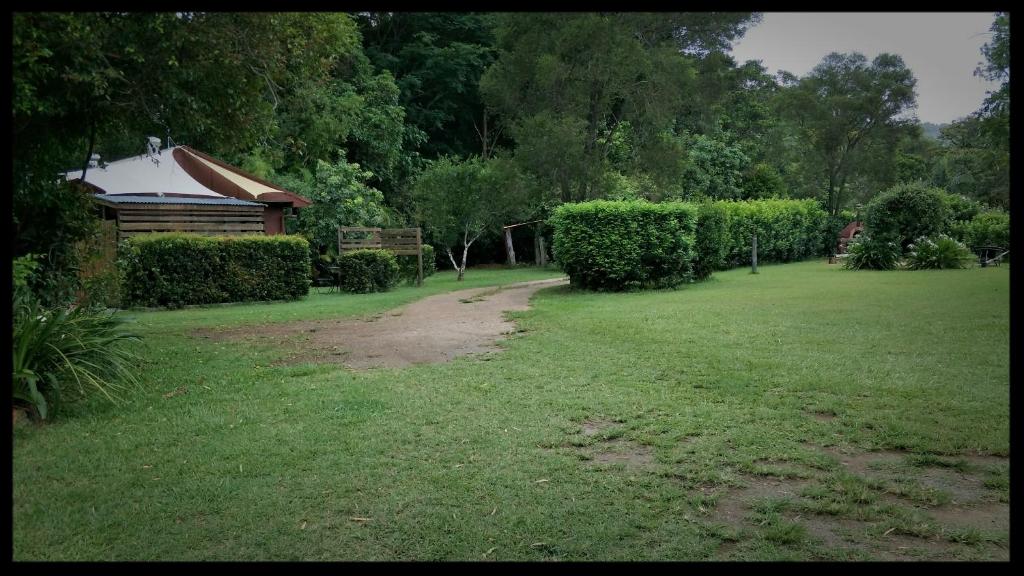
[[869, 253], [63, 353], [938, 253], [907, 211], [620, 245], [364, 271], [175, 269], [989, 228], [408, 266], [787, 230]]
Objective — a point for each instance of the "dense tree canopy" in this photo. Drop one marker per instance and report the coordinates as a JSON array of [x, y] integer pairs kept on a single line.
[[371, 113]]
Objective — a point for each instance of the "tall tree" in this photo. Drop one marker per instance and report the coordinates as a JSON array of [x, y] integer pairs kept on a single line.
[[844, 107], [437, 59], [459, 201]]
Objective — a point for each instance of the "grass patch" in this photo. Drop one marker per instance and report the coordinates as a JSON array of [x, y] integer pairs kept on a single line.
[[450, 461]]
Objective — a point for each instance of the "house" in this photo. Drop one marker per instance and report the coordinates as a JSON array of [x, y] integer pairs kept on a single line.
[[181, 189]]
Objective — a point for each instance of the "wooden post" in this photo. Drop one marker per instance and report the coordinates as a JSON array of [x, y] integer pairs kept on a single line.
[[419, 257], [339, 240], [753, 256], [508, 247]]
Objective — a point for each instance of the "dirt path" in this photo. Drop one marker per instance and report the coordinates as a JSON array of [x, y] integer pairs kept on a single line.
[[434, 329]]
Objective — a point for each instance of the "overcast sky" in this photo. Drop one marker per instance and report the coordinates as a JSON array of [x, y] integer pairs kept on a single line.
[[942, 49]]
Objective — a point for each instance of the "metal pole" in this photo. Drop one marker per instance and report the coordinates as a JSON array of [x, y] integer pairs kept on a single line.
[[753, 256]]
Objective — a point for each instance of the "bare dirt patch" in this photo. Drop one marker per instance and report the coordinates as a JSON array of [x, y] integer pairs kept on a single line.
[[630, 454], [595, 426], [732, 506], [432, 330], [866, 463]]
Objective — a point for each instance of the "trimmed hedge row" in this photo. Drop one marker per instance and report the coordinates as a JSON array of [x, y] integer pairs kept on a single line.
[[787, 230], [369, 270], [619, 245], [176, 269], [616, 245]]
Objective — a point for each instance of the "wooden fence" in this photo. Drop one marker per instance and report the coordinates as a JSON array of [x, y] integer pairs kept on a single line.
[[400, 241]]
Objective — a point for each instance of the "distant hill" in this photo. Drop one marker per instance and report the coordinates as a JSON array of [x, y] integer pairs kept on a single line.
[[932, 130]]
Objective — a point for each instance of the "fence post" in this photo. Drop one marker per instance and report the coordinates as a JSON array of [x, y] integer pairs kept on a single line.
[[753, 256], [419, 257]]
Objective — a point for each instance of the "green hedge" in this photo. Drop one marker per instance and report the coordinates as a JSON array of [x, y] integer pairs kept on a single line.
[[990, 228], [906, 212], [175, 269], [712, 240], [787, 230], [364, 271], [408, 267], [619, 245]]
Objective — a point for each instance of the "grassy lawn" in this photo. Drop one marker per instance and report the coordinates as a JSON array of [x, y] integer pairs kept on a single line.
[[613, 427]]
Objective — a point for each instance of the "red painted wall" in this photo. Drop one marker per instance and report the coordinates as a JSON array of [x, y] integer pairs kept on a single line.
[[273, 220]]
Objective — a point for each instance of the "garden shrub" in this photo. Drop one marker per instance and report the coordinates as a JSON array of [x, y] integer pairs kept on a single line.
[[990, 228], [619, 245], [905, 212], [175, 269], [711, 243], [64, 353], [371, 270], [960, 208], [408, 266], [787, 230], [939, 253], [868, 253]]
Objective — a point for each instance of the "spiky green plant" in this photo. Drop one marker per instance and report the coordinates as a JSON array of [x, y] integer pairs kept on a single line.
[[67, 353], [872, 254], [939, 253]]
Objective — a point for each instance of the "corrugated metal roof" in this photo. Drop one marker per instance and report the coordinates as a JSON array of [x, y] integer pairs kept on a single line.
[[130, 199]]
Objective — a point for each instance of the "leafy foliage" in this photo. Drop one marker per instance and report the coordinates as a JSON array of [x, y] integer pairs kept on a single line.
[[714, 170], [905, 212], [365, 271], [437, 59], [49, 220], [938, 253], [620, 245], [408, 266], [867, 253], [176, 269], [787, 230], [989, 228], [63, 353], [341, 197], [712, 239], [845, 104], [458, 201]]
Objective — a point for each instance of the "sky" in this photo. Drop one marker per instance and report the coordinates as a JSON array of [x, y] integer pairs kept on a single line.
[[941, 48]]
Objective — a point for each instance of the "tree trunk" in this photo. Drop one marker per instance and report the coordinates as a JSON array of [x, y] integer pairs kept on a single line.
[[88, 154], [462, 269]]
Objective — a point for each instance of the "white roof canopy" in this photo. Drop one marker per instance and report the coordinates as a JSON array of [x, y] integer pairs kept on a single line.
[[147, 174]]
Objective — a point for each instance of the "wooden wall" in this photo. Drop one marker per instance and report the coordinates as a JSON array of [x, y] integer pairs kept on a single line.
[[134, 219]]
